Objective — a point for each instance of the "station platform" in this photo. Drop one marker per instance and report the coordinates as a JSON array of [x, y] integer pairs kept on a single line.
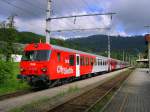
[[133, 96]]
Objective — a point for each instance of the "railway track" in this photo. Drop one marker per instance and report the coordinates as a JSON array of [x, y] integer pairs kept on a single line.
[[23, 92], [15, 94], [86, 101]]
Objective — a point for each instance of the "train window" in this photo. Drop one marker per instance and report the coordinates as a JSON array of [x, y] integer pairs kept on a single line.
[[78, 61], [58, 57], [98, 62], [87, 61], [94, 61], [91, 61], [71, 60], [82, 61], [101, 62], [105, 63]]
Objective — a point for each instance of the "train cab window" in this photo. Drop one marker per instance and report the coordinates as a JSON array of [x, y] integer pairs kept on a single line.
[[71, 60], [58, 57], [36, 55]]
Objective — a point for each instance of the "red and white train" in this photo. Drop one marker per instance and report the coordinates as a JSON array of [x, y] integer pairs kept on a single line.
[[43, 64]]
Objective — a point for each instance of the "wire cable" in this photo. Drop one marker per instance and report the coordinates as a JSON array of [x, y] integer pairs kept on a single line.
[[21, 9]]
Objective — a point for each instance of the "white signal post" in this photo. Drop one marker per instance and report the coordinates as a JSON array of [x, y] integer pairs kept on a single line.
[[48, 21]]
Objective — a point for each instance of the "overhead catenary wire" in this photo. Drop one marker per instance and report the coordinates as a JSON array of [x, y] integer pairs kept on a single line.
[[33, 5], [20, 8], [66, 30], [73, 16], [84, 15]]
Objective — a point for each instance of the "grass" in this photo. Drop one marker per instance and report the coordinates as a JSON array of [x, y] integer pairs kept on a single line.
[[13, 85], [44, 102]]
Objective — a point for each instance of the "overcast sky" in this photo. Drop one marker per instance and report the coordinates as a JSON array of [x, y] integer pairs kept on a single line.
[[131, 17]]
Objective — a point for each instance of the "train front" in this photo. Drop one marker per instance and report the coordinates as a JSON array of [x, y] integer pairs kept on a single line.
[[34, 66]]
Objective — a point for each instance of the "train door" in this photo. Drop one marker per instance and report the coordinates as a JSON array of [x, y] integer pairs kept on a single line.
[[77, 65]]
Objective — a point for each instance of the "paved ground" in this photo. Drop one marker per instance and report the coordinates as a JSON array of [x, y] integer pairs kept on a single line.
[[133, 96], [8, 104]]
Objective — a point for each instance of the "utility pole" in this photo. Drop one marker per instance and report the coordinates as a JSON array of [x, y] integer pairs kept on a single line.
[[48, 21], [11, 23], [123, 56], [109, 43], [3, 24], [109, 49]]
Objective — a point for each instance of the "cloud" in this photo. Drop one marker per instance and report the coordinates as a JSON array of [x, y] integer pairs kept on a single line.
[[31, 25], [130, 19], [131, 14]]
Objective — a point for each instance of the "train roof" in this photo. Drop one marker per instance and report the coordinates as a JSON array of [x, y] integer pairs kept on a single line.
[[49, 46], [77, 51], [80, 52]]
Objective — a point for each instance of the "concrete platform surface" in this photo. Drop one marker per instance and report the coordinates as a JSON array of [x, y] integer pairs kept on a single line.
[[133, 96]]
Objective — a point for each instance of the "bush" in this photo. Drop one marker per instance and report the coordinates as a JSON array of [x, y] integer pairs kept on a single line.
[[6, 71]]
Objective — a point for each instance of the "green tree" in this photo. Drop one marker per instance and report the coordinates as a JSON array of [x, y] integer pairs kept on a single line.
[[9, 36]]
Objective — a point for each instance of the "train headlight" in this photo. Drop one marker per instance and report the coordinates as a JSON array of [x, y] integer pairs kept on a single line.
[[44, 69], [21, 69]]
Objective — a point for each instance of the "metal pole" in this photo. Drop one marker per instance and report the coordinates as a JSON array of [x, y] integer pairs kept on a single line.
[[123, 56], [109, 49], [48, 20]]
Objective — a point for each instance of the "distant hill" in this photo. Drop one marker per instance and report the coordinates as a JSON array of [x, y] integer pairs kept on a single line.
[[96, 43], [28, 37]]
